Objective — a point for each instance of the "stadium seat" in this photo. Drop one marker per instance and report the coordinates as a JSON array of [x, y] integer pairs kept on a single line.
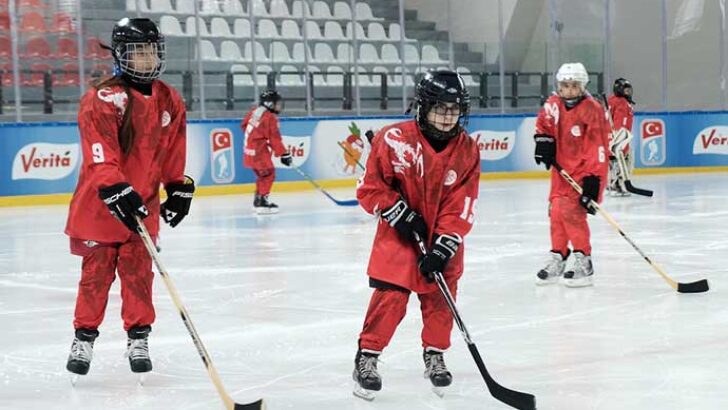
[[219, 28], [313, 31], [411, 55], [279, 8], [37, 47], [297, 9], [394, 33], [262, 71], [318, 79], [430, 55], [160, 6], [390, 53], [63, 23], [186, 7], [342, 11], [468, 78], [35, 79], [208, 7], [376, 32], [321, 10], [241, 28], [298, 52], [376, 78], [290, 79], [279, 52], [334, 76], [32, 22], [66, 47], [267, 29], [397, 77], [344, 53], [207, 51], [233, 8], [364, 12], [169, 25], [323, 53], [143, 5], [360, 34], [258, 8], [289, 30], [94, 50], [332, 31], [7, 77], [4, 21], [229, 51], [362, 78], [68, 77], [368, 54], [191, 29], [6, 49], [241, 75], [260, 54]]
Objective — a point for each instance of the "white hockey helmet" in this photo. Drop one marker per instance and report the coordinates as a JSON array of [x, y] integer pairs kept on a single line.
[[573, 72]]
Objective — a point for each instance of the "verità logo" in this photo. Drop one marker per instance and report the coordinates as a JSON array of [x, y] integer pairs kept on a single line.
[[45, 161], [494, 145], [712, 140]]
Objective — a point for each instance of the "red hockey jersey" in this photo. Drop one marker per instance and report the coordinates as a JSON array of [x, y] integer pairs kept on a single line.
[[442, 187], [262, 135], [582, 141], [157, 156], [622, 115]]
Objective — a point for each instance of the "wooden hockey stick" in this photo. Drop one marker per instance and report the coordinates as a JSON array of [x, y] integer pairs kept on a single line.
[[351, 156], [692, 287], [229, 403], [515, 399]]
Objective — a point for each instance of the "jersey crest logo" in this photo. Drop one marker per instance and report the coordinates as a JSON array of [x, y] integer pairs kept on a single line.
[[575, 131], [406, 155], [166, 118], [552, 111], [451, 177], [108, 95]]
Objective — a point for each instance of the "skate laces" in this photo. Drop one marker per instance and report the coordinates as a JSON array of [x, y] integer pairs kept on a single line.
[[436, 363], [138, 349], [553, 267], [368, 366], [581, 266], [81, 350]]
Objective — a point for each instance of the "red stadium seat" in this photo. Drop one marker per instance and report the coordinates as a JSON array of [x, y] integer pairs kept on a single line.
[[66, 48], [5, 47], [7, 79], [32, 22], [37, 47], [63, 23], [68, 77], [4, 21], [94, 50], [32, 4], [35, 79]]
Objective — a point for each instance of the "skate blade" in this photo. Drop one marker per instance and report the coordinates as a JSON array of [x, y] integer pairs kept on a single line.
[[141, 379], [74, 379], [439, 391], [579, 283], [546, 282], [368, 395], [265, 211]]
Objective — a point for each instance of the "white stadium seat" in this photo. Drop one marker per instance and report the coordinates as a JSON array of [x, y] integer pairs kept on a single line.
[[186, 7], [279, 52], [207, 52], [376, 32], [323, 54], [219, 28], [390, 53], [279, 8], [334, 76], [364, 12], [290, 30], [469, 80], [260, 54], [209, 7], [368, 54], [242, 28], [241, 79], [143, 5], [430, 55], [169, 25], [345, 53], [298, 52], [332, 31], [229, 51], [267, 29], [290, 80], [313, 31], [360, 34], [321, 10], [342, 11], [191, 28], [258, 8], [233, 8], [160, 6], [411, 55], [297, 9]]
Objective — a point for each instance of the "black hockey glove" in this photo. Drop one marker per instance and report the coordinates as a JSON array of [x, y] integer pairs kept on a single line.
[[443, 249], [370, 136], [124, 203], [589, 192], [406, 221], [286, 159], [545, 150], [179, 198]]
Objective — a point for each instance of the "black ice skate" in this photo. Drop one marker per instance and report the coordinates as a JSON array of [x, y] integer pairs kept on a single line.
[[435, 370], [137, 349], [82, 351], [366, 375], [581, 274], [263, 206]]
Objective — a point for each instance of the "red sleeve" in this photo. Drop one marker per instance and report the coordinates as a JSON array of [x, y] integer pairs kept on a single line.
[[597, 141], [99, 129], [173, 169], [374, 190], [547, 118], [457, 209], [274, 135]]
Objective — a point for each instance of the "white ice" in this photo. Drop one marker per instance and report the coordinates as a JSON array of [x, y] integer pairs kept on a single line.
[[279, 302]]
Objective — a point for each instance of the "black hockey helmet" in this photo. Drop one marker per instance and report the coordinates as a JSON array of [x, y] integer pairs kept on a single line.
[[623, 88], [134, 38], [436, 87], [269, 98]]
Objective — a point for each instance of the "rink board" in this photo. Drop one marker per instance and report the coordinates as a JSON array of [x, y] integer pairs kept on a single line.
[[44, 158]]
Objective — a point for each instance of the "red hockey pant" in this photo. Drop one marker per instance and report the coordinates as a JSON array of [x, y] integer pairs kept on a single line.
[[265, 180], [98, 271], [387, 308], [568, 224]]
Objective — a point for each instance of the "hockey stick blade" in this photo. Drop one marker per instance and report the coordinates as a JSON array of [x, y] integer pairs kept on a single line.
[[693, 287], [637, 191], [258, 405], [350, 202], [515, 399]]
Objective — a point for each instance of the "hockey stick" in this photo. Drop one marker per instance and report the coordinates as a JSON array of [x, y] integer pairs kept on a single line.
[[515, 399], [351, 156], [350, 202], [692, 287], [621, 161], [229, 403]]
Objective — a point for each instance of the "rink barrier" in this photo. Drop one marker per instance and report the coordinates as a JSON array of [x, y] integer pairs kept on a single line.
[[40, 161]]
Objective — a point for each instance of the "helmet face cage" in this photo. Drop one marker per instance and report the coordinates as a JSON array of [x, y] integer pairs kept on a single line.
[[143, 61], [269, 98], [432, 93], [623, 88]]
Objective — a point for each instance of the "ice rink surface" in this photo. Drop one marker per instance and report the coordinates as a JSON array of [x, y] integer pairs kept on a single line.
[[279, 302]]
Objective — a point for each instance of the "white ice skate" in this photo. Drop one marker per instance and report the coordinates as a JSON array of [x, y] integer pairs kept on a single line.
[[581, 273], [553, 270]]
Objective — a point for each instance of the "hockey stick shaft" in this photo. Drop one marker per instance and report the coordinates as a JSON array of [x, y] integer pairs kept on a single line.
[[346, 150], [694, 287], [214, 376], [515, 399], [352, 202]]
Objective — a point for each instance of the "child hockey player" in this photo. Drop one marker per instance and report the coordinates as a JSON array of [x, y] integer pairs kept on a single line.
[[572, 130], [133, 134], [620, 108], [262, 140], [421, 178]]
